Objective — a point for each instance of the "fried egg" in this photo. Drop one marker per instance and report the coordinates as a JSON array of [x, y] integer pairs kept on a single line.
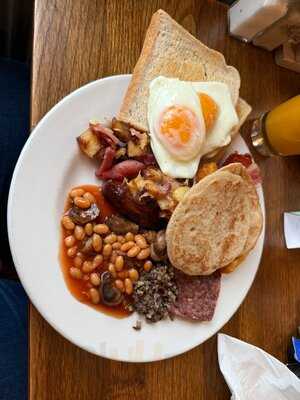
[[222, 122], [186, 121]]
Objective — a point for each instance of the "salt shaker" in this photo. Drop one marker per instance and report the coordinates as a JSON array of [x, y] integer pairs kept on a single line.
[[248, 18]]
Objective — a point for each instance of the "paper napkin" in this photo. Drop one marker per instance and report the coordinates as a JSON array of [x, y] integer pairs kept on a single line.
[[253, 374], [292, 229]]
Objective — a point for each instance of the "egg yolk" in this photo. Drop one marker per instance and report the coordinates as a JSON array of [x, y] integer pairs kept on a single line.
[[209, 110], [178, 124]]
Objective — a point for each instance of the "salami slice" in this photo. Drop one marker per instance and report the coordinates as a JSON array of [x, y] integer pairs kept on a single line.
[[197, 296]]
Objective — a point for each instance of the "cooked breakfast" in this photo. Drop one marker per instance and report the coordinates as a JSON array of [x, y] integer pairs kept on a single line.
[[170, 214]]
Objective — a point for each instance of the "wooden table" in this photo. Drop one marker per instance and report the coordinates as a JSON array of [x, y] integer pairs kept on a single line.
[[76, 41]]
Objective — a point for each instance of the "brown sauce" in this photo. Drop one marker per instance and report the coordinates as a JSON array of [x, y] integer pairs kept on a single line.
[[79, 287]]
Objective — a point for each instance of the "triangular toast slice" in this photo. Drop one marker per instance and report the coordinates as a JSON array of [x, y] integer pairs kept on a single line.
[[171, 51]]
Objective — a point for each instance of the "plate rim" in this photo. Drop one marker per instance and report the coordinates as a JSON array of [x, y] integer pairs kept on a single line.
[[10, 230]]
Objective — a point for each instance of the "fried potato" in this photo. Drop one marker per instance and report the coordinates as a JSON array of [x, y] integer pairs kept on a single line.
[[89, 143], [233, 265], [137, 149], [206, 169]]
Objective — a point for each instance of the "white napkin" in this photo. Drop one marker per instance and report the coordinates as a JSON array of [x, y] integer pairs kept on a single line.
[[292, 229], [253, 374]]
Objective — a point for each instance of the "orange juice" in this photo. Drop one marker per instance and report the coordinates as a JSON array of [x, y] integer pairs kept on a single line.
[[282, 127]]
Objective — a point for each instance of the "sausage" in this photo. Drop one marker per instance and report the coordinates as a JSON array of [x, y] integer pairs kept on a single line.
[[121, 225], [128, 169], [107, 161], [143, 210]]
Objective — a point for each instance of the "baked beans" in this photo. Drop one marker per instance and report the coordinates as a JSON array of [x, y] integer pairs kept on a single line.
[[82, 202], [112, 270], [143, 254], [101, 229], [134, 251], [107, 249], [141, 241], [97, 242], [123, 274], [71, 252], [126, 246], [67, 223], [112, 238], [88, 266], [76, 193], [77, 261], [148, 266], [98, 260], [129, 237], [79, 232], [70, 241], [75, 273], [119, 263], [120, 285], [121, 239], [89, 229], [95, 279], [128, 286], [94, 295], [133, 274], [89, 197]]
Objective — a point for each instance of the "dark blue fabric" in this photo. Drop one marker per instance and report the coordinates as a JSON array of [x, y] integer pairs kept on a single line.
[[14, 128], [13, 341]]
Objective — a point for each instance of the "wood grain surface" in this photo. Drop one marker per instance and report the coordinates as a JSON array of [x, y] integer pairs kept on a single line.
[[77, 41]]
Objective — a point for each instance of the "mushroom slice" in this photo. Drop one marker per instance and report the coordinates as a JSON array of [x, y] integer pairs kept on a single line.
[[109, 294], [159, 247], [81, 216], [121, 225]]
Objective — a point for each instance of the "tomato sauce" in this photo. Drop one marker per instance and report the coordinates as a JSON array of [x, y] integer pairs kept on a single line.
[[79, 287]]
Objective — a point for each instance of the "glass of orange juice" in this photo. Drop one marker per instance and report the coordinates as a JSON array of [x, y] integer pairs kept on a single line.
[[277, 132]]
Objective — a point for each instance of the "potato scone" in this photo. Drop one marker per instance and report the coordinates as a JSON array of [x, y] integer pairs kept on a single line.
[[217, 221]]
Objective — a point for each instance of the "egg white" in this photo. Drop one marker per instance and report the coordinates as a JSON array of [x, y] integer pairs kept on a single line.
[[164, 93], [227, 119]]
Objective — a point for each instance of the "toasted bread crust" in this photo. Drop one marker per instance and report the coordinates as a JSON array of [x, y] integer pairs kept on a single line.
[[172, 51]]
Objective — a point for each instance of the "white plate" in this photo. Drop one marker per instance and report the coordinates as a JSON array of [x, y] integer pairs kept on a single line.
[[49, 165]]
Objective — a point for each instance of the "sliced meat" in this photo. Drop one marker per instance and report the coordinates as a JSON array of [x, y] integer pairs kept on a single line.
[[235, 157], [82, 216], [124, 169], [107, 161], [121, 225], [105, 134], [147, 159], [247, 161], [197, 296], [254, 172]]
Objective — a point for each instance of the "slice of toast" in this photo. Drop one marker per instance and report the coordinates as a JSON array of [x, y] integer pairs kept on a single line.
[[171, 51]]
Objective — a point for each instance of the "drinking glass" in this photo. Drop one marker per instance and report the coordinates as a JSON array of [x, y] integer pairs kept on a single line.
[[277, 132]]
